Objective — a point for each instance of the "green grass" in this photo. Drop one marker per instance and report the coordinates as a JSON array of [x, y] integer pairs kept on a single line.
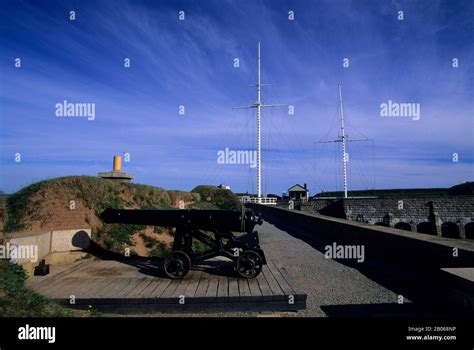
[[203, 205], [17, 207], [199, 247], [149, 241], [159, 250], [213, 197], [120, 235], [114, 200], [16, 300], [3, 209]]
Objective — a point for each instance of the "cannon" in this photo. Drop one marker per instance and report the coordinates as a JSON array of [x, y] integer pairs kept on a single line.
[[213, 227]]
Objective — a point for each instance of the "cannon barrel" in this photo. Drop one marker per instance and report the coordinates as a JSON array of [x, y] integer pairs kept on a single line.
[[209, 219]]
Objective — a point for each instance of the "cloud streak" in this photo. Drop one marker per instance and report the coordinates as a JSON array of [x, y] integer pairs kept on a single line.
[[190, 63]]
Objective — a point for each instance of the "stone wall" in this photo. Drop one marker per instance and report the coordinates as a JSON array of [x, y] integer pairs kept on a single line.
[[392, 212], [387, 242], [56, 247], [408, 263], [441, 216]]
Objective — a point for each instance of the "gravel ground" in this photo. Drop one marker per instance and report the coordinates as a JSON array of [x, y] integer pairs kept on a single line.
[[325, 281]]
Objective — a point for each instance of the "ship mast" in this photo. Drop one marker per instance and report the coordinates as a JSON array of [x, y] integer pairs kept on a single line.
[[343, 141], [259, 105], [259, 131]]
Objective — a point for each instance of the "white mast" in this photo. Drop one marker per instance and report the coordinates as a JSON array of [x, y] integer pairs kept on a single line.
[[259, 139], [259, 105], [343, 141]]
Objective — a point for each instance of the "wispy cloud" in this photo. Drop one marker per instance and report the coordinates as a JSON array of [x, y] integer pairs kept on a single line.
[[190, 63]]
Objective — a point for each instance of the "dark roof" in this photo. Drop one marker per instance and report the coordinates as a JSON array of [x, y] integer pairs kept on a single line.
[[297, 188]]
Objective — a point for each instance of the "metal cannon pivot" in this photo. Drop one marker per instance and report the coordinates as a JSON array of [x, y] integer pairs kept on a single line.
[[243, 250]]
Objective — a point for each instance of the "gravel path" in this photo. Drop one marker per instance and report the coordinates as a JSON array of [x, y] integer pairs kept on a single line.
[[325, 281]]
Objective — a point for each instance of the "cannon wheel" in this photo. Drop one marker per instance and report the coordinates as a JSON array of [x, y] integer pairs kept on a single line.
[[177, 264], [249, 264]]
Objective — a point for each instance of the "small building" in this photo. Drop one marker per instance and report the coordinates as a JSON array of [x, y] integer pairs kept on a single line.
[[299, 193], [117, 173], [225, 187]]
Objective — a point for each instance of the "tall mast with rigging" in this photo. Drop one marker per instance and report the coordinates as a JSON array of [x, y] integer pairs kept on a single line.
[[343, 139], [259, 105]]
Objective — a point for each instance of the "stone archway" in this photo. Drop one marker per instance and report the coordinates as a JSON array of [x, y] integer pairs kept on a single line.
[[450, 230], [427, 228], [469, 230], [403, 226]]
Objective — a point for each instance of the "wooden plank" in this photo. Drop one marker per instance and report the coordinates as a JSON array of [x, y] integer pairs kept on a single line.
[[54, 272], [68, 286], [113, 290], [255, 291], [94, 280], [96, 267], [55, 288], [39, 281], [130, 287], [244, 290], [222, 289], [49, 288], [267, 294], [193, 285], [234, 294], [53, 282], [202, 287], [287, 290], [281, 272], [147, 291], [299, 293], [72, 286], [94, 286], [184, 285], [135, 293], [99, 270], [160, 289], [211, 293], [278, 294], [169, 293]]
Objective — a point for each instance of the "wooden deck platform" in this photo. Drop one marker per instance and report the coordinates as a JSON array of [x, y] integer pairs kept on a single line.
[[138, 286]]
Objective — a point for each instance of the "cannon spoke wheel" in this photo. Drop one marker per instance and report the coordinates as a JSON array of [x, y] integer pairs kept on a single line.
[[177, 265], [249, 264]]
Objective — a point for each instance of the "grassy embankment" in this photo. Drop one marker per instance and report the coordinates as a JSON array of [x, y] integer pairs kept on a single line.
[[46, 205]]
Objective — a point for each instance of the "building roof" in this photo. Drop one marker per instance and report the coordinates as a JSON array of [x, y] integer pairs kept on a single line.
[[297, 188]]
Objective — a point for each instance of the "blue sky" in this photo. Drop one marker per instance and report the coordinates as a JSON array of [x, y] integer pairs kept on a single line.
[[190, 63]]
